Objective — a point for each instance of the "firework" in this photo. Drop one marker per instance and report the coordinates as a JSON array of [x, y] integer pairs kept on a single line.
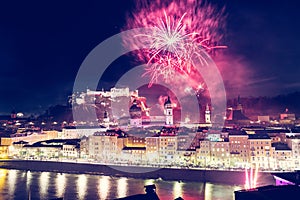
[[182, 30]]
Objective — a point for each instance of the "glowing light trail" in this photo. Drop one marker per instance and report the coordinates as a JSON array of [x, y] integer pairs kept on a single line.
[[251, 182]]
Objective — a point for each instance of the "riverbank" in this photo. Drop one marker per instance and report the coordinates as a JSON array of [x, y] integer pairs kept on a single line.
[[177, 174]]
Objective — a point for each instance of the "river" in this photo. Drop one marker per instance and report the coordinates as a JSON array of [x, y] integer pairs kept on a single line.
[[18, 184]]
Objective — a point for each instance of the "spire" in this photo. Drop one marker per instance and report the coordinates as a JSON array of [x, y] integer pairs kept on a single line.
[[239, 104], [207, 115], [207, 107], [168, 101], [168, 111]]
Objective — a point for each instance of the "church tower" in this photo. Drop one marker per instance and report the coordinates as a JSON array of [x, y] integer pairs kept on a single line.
[[207, 115], [168, 111], [239, 104]]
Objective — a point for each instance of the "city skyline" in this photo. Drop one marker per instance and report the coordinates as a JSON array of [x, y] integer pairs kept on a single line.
[[170, 95], [43, 46]]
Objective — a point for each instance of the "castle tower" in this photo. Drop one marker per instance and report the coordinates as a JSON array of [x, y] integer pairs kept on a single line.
[[168, 111], [135, 114], [207, 115]]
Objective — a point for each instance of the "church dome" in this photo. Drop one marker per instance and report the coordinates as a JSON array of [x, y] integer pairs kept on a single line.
[[135, 111]]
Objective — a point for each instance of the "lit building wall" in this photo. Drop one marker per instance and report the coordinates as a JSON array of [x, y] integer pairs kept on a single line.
[[42, 152], [294, 144], [119, 92], [3, 151], [161, 149], [136, 122], [239, 150], [84, 148], [184, 142], [135, 142], [261, 153], [152, 146], [103, 147], [134, 155], [167, 149], [220, 154], [214, 137], [203, 154], [284, 159], [6, 141], [185, 157], [74, 133], [51, 134], [70, 151]]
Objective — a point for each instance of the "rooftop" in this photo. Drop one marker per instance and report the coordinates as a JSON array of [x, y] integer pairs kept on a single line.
[[262, 136], [54, 143], [281, 146], [237, 132], [134, 148]]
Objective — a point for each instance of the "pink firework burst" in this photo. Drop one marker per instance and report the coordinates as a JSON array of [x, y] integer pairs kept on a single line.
[[182, 30]]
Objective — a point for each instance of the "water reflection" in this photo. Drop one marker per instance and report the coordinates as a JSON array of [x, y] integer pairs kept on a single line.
[[28, 180], [16, 184], [82, 186], [3, 173], [103, 187], [208, 191], [12, 177], [60, 184], [177, 189], [44, 182], [122, 187]]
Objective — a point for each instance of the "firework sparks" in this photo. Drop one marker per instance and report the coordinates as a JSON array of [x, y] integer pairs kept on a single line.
[[182, 30]]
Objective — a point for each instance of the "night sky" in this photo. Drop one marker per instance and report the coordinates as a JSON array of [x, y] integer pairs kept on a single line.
[[43, 43]]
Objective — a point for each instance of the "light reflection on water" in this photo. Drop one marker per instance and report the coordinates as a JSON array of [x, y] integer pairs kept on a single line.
[[208, 191], [177, 190], [104, 187], [12, 177], [122, 187], [28, 180], [81, 186], [60, 184], [16, 184], [3, 173], [43, 183]]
